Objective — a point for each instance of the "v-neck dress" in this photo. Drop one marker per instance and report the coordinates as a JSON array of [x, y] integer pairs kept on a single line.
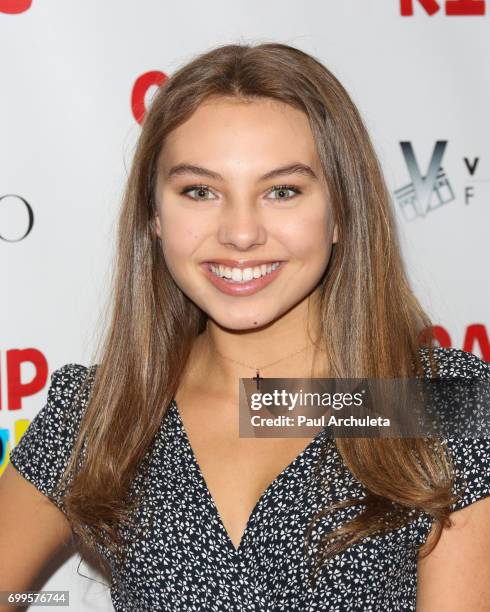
[[182, 559]]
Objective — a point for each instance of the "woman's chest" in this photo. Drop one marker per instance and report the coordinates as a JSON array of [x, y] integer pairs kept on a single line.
[[184, 556], [234, 470], [184, 561]]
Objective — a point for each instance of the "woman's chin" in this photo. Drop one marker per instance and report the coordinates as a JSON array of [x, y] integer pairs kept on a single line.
[[243, 322]]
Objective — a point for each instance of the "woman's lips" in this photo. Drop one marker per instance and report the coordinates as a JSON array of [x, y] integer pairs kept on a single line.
[[241, 288]]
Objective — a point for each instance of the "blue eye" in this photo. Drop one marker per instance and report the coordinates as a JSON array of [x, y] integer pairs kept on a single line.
[[283, 189]]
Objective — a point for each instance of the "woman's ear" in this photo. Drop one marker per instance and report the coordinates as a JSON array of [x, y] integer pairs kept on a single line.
[[157, 225], [335, 234]]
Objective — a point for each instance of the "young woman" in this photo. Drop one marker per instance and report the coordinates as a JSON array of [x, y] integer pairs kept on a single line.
[[256, 233]]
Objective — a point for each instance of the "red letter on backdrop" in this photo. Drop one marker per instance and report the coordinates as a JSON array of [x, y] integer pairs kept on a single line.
[[477, 334], [141, 86], [442, 336], [12, 7], [16, 389], [406, 7], [465, 7]]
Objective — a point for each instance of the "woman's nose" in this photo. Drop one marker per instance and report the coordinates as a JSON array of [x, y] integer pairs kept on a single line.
[[241, 226]]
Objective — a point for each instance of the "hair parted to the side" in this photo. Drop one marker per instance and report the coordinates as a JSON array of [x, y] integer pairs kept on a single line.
[[372, 324]]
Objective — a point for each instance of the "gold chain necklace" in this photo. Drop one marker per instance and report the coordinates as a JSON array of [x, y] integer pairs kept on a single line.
[[257, 376]]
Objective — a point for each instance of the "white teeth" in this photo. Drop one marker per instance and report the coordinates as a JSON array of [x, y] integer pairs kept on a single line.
[[247, 274], [238, 275]]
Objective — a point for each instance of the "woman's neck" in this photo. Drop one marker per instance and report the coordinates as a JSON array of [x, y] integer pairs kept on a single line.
[[283, 349]]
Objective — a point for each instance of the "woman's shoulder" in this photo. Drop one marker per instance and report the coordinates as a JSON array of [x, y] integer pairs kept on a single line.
[[44, 449], [68, 391], [470, 455], [71, 375], [457, 362]]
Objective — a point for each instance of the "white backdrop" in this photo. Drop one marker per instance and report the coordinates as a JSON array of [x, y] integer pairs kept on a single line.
[[68, 69]]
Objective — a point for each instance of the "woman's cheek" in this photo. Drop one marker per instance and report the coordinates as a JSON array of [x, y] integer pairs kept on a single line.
[[307, 238]]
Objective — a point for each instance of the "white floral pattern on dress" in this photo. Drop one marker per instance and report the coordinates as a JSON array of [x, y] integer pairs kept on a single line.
[[184, 560]]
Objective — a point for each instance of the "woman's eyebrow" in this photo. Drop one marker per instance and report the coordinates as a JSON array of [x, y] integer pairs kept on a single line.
[[294, 168]]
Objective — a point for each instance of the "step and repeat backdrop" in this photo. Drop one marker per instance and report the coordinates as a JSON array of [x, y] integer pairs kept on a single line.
[[76, 78]]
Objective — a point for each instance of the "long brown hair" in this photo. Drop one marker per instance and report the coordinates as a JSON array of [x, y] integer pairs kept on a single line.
[[372, 324]]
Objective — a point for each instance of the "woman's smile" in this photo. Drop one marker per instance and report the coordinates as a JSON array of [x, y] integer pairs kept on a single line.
[[242, 281]]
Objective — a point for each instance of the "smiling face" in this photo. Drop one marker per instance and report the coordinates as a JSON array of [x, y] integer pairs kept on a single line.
[[223, 206]]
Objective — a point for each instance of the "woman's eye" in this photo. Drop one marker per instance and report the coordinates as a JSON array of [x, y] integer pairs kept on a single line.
[[282, 191], [200, 191], [203, 191]]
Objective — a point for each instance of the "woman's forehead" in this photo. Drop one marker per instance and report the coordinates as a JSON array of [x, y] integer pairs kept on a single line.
[[236, 139]]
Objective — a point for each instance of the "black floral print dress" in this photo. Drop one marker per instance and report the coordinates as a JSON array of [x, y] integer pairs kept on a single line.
[[183, 559]]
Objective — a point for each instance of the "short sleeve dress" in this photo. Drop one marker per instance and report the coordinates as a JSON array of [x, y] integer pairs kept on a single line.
[[184, 560]]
